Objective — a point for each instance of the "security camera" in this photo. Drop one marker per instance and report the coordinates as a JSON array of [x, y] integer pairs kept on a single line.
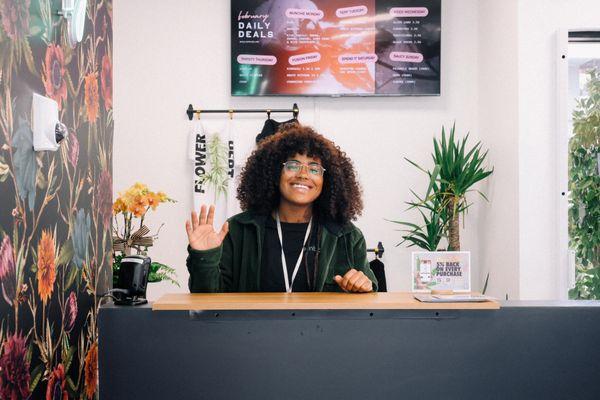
[[48, 131]]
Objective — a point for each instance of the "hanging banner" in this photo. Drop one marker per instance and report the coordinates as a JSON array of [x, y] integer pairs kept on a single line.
[[335, 47], [441, 270]]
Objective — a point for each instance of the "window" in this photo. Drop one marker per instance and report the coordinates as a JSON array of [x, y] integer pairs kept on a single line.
[[579, 159]]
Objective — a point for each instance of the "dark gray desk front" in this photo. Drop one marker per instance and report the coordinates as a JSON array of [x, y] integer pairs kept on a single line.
[[522, 351]]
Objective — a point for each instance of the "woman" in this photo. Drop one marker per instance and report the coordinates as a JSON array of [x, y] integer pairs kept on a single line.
[[299, 193]]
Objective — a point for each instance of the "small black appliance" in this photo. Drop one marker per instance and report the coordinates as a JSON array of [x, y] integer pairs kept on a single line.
[[132, 281]]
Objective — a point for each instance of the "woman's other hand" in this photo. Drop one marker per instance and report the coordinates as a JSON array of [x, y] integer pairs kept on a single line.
[[354, 281], [200, 230]]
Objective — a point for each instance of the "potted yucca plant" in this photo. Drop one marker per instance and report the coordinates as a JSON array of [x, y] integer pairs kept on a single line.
[[456, 170]]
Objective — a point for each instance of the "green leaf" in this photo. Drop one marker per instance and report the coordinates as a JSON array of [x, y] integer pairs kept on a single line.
[[485, 285], [4, 170], [416, 165], [161, 272], [36, 375], [71, 385], [70, 86], [29, 58], [432, 180], [407, 224], [65, 254], [69, 358], [72, 272]]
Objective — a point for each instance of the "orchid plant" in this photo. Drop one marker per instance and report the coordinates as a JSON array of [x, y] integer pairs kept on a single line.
[[133, 205]]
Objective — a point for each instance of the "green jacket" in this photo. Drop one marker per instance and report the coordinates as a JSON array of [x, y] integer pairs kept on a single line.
[[235, 265]]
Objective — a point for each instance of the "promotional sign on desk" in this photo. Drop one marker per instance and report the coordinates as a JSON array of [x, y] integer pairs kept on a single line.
[[441, 270]]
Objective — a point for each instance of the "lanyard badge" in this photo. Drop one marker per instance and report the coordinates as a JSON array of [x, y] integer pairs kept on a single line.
[[288, 285]]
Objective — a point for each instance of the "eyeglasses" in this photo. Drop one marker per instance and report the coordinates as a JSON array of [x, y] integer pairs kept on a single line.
[[296, 166]]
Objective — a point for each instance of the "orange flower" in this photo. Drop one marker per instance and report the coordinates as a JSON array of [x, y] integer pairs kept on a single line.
[[141, 200], [130, 205], [137, 189], [138, 205], [153, 200], [92, 103], [54, 74], [106, 80], [91, 371], [46, 268], [119, 206], [138, 210], [137, 199], [162, 196]]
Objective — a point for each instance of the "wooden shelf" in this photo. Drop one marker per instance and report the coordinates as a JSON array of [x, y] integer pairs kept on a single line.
[[307, 301]]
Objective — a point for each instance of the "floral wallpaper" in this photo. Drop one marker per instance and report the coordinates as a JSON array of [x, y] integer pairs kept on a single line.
[[55, 207]]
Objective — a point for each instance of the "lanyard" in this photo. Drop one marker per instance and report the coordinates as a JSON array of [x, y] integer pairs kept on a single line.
[[288, 286]]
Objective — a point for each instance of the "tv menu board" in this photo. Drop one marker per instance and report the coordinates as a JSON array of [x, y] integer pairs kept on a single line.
[[335, 47]]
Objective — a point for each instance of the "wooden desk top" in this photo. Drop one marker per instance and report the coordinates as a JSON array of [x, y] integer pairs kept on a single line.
[[307, 301]]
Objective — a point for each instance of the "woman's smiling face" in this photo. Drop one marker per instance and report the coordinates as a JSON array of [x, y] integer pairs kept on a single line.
[[301, 180]]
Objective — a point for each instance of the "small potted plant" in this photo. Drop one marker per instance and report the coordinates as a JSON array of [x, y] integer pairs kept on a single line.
[[456, 170], [133, 205]]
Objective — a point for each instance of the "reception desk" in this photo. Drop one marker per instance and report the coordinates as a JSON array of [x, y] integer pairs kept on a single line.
[[347, 346]]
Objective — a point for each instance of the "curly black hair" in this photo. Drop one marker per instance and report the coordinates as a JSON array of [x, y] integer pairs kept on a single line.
[[341, 197]]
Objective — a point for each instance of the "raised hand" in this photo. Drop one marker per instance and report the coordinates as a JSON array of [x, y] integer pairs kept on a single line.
[[200, 231], [354, 281]]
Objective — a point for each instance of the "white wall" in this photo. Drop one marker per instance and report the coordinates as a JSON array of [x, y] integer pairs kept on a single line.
[[166, 57], [539, 194], [498, 222]]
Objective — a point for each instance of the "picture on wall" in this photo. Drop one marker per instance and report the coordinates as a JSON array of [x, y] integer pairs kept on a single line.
[[335, 47]]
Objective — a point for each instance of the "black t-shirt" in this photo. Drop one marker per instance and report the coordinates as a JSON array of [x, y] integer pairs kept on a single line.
[[271, 271], [271, 127]]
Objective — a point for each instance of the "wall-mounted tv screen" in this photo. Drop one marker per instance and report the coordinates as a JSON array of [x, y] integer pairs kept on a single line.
[[335, 47]]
